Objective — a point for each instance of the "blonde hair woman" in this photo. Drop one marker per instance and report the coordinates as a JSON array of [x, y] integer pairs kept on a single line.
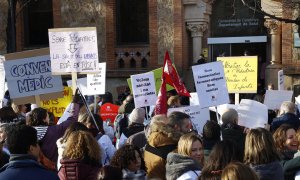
[[238, 171], [261, 154], [186, 164], [81, 157]]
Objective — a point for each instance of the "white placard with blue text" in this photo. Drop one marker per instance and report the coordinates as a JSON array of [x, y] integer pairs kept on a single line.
[[280, 80], [73, 50], [198, 116], [143, 89], [210, 84], [96, 82], [31, 76]]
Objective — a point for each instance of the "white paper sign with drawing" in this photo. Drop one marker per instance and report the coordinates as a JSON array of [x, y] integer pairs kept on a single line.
[[143, 88], [210, 84], [198, 116], [96, 82], [31, 76], [73, 50]]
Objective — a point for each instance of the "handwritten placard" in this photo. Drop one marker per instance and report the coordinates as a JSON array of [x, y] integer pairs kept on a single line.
[[143, 87], [240, 73], [274, 98], [157, 77], [210, 84], [73, 50], [280, 80], [57, 106], [96, 82], [198, 116], [31, 76]]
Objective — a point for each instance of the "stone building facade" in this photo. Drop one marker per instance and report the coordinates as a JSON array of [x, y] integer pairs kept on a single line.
[[183, 27]]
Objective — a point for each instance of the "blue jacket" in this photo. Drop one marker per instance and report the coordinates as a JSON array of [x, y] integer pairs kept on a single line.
[[287, 118], [270, 171], [25, 167]]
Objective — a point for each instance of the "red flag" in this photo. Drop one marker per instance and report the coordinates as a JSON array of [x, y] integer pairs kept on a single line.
[[161, 103], [169, 76], [172, 78]]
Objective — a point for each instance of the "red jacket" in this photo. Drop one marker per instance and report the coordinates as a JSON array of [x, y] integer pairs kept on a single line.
[[77, 170]]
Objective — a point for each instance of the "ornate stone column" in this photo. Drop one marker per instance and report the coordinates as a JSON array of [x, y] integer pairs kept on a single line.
[[197, 29], [274, 29]]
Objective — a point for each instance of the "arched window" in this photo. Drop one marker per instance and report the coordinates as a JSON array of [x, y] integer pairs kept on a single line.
[[132, 22]]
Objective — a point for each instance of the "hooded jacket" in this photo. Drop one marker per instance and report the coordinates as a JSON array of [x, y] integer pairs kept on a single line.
[[77, 170], [271, 171], [25, 167], [178, 164], [161, 135]]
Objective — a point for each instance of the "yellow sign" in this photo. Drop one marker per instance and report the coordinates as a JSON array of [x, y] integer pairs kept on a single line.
[[240, 73], [157, 78], [58, 106]]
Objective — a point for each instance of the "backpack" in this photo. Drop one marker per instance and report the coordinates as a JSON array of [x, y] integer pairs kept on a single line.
[[121, 123]]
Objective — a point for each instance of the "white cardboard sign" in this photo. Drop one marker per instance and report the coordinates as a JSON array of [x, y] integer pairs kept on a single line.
[[198, 116], [31, 76], [82, 83], [73, 50], [280, 80], [194, 100], [143, 88], [96, 82], [210, 84], [274, 98], [2, 77], [252, 114]]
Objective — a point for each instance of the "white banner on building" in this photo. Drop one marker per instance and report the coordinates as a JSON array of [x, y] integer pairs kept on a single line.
[[198, 116], [274, 98], [143, 88], [210, 84], [31, 76], [252, 114], [73, 50], [96, 82]]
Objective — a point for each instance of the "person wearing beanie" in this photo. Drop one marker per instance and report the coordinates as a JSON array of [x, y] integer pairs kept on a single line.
[[136, 124]]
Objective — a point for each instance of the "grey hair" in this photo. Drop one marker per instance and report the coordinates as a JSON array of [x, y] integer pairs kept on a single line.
[[287, 107], [230, 116]]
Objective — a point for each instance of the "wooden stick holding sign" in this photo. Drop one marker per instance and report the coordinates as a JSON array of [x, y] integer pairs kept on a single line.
[[37, 100], [236, 98]]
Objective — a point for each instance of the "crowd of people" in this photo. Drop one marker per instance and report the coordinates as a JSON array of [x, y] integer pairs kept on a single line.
[[131, 143]]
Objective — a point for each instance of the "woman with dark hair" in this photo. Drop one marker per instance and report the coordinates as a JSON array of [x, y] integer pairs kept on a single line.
[[262, 156], [286, 141], [130, 160], [222, 154], [81, 157], [109, 172], [48, 135], [61, 142]]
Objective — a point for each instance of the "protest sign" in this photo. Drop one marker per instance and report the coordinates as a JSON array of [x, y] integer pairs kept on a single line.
[[198, 116], [240, 73], [28, 75], [252, 114], [157, 78], [73, 50], [280, 80], [210, 84], [96, 82], [274, 98], [143, 87], [81, 83], [2, 77], [297, 102], [194, 100], [57, 106]]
